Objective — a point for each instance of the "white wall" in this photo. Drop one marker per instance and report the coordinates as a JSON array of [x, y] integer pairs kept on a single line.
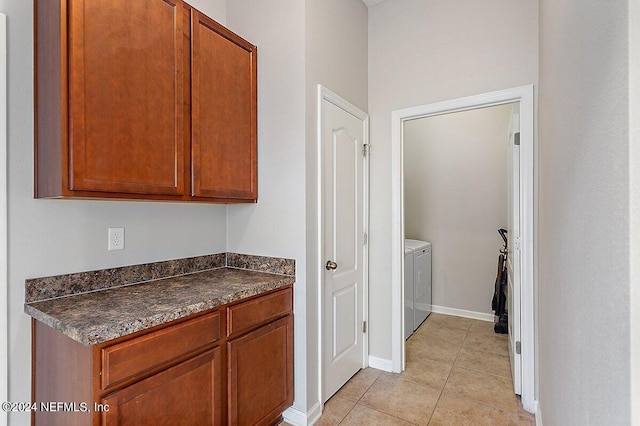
[[336, 57], [48, 237], [584, 216], [215, 9], [336, 53], [455, 192], [634, 163], [420, 52], [300, 44], [4, 388], [276, 225]]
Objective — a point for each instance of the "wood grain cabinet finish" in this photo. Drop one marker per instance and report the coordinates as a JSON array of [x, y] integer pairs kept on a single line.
[[223, 112], [260, 374], [187, 394], [116, 84], [187, 372], [131, 357], [247, 315], [260, 358]]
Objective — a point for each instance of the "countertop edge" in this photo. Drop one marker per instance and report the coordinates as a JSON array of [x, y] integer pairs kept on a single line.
[[104, 333]]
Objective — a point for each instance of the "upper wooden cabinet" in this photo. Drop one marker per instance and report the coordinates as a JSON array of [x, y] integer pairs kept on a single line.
[[223, 112], [125, 96], [145, 99]]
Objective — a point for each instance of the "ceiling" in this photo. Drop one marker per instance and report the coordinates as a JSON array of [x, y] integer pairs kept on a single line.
[[371, 3]]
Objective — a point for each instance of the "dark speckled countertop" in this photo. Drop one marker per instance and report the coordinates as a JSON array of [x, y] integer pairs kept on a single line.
[[98, 316]]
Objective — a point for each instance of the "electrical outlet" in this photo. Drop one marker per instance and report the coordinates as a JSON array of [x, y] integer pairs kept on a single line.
[[116, 239]]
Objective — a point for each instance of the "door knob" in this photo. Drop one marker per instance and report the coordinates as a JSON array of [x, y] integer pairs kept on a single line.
[[330, 265]]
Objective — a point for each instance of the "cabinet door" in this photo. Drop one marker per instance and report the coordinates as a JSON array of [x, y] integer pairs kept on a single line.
[[187, 394], [126, 96], [260, 384], [224, 102]]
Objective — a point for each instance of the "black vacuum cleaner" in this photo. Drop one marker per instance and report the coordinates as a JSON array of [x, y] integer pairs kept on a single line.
[[499, 302]]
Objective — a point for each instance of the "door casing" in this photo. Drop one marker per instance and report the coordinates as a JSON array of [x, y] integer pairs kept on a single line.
[[523, 95]]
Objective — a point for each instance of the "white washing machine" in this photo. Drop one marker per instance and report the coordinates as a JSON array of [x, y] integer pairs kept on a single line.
[[417, 283], [408, 292]]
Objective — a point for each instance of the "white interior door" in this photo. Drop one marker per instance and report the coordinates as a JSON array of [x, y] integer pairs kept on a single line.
[[514, 255], [343, 262]]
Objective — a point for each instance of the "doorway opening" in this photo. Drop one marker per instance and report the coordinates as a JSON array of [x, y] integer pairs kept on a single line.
[[523, 209]]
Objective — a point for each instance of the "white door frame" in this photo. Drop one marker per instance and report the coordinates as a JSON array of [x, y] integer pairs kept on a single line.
[[328, 95], [4, 259], [524, 95]]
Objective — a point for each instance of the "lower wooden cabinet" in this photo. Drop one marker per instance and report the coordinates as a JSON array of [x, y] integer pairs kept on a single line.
[[196, 371], [260, 374], [187, 394]]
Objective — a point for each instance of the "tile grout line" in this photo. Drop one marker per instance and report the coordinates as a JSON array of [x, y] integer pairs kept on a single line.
[[379, 411], [468, 334], [502, 409], [485, 372], [346, 415], [495, 375], [362, 396], [372, 408], [449, 375]]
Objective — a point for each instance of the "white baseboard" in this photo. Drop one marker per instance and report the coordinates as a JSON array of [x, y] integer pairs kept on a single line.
[[538, 414], [482, 316], [380, 363], [299, 418], [314, 413]]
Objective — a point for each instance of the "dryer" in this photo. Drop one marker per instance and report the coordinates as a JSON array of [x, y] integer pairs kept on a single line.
[[408, 292], [418, 284]]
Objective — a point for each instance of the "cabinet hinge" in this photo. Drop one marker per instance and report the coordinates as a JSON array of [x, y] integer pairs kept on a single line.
[[364, 326], [365, 239], [518, 347], [516, 138], [365, 149]]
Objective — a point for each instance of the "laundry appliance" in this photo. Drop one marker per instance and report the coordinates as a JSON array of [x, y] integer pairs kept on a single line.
[[417, 284]]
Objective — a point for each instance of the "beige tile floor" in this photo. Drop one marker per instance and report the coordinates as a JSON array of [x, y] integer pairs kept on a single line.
[[457, 373]]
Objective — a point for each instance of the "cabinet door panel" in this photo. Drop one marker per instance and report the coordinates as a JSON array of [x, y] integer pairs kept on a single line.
[[187, 394], [126, 96], [260, 382], [223, 119]]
